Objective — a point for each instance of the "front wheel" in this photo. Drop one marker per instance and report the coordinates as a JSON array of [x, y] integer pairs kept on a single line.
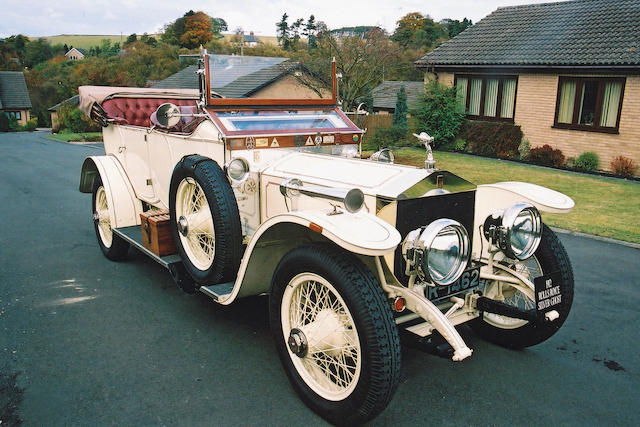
[[516, 333], [334, 333]]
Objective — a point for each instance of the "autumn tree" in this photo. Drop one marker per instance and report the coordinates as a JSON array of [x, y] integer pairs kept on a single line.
[[197, 30], [415, 30]]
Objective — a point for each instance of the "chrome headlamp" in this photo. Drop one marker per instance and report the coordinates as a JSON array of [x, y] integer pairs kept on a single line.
[[438, 253], [237, 170], [516, 231]]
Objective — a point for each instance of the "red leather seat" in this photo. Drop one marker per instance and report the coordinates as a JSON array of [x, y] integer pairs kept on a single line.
[[137, 111]]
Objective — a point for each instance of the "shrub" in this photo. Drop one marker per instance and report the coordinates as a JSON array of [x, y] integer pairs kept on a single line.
[[492, 139], [547, 156], [623, 166], [392, 136], [587, 161], [437, 113], [4, 122], [524, 148], [460, 145], [73, 119]]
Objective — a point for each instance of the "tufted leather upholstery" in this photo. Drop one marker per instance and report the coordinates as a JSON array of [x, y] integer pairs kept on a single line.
[[137, 111]]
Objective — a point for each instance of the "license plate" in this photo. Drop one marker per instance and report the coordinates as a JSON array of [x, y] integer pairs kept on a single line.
[[470, 279], [548, 292]]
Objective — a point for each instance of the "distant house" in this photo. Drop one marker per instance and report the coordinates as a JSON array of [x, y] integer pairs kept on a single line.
[[568, 73], [386, 93], [74, 54], [14, 96], [253, 77], [251, 40], [53, 111]]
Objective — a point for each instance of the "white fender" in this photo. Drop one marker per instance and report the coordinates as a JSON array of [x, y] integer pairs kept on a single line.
[[125, 206], [361, 233], [501, 195]]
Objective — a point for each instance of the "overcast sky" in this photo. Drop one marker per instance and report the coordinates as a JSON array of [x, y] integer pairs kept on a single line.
[[52, 17]]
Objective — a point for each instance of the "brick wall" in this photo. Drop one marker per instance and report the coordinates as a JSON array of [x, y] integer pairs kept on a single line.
[[535, 110]]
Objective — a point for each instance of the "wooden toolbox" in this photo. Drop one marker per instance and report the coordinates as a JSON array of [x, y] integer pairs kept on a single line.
[[156, 232]]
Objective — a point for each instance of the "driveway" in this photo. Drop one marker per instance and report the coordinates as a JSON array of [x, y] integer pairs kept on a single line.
[[91, 342]]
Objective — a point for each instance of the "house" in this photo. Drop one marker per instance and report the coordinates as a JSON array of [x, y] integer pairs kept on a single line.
[[568, 73], [253, 77], [250, 40], [74, 54], [386, 94], [14, 96], [53, 111]]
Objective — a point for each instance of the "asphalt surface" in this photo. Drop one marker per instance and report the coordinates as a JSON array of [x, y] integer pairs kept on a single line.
[[85, 341]]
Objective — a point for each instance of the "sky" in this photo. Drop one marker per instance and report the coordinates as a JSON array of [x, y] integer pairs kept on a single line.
[[112, 17]]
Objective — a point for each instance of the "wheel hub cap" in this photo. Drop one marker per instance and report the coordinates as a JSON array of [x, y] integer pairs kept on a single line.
[[297, 343], [183, 226]]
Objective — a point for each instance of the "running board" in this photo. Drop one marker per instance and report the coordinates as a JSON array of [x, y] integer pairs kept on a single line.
[[218, 292], [173, 262], [133, 236]]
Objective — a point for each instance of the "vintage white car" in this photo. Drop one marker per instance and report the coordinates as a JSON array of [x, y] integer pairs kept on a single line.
[[270, 196]]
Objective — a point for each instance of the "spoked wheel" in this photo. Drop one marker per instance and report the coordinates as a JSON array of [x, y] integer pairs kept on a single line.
[[195, 224], [334, 333], [205, 220], [113, 247], [517, 333]]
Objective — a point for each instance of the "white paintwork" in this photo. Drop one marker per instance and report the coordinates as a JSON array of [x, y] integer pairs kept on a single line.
[[125, 208], [372, 178], [501, 195], [376, 238]]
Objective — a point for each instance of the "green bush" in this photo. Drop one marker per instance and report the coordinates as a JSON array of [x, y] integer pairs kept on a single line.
[[392, 136], [492, 139], [437, 113], [587, 161], [524, 148], [460, 145], [4, 122], [546, 156], [74, 120], [31, 125]]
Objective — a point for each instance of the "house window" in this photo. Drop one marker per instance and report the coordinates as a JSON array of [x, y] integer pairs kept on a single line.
[[14, 114], [487, 97], [586, 103]]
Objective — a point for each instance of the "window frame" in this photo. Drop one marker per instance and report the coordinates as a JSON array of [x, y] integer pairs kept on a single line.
[[17, 115], [501, 78], [575, 125]]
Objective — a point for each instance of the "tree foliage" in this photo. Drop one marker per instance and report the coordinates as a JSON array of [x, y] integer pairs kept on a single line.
[[193, 29], [437, 113], [401, 110]]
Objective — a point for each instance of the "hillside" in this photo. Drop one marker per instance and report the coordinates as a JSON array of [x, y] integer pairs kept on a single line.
[[87, 41]]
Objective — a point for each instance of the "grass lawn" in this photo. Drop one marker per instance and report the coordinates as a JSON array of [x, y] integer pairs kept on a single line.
[[604, 206], [77, 137]]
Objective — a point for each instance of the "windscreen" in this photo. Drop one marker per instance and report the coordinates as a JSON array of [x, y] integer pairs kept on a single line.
[[281, 120]]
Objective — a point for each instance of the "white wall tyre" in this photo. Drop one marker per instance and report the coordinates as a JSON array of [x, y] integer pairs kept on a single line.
[[335, 334], [516, 333], [205, 220], [112, 246]]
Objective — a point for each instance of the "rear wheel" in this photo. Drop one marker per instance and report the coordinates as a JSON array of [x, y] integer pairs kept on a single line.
[[517, 333], [334, 333], [112, 246]]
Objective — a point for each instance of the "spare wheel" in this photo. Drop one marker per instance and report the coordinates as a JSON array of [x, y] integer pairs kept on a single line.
[[205, 220]]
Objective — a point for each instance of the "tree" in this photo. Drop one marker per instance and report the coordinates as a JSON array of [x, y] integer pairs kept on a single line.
[[37, 51], [415, 30], [361, 61], [283, 32], [218, 25], [368, 98], [132, 38], [437, 113], [295, 32], [197, 30], [310, 32], [455, 27], [401, 110]]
